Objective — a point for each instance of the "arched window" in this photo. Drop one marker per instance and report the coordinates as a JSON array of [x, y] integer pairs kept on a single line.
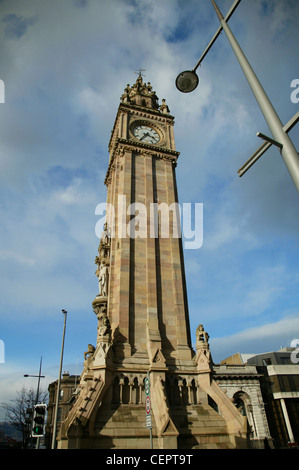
[[241, 402], [126, 391], [116, 391], [193, 392], [240, 405]]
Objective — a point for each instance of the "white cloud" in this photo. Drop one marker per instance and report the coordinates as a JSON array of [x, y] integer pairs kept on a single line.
[[255, 340], [64, 78], [13, 381], [18, 258]]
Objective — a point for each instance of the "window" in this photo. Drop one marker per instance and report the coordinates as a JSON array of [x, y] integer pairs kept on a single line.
[[267, 361], [288, 383]]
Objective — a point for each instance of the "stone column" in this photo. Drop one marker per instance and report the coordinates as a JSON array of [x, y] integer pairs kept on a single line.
[[287, 420]]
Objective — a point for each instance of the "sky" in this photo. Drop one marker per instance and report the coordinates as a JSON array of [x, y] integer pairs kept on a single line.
[[64, 66]]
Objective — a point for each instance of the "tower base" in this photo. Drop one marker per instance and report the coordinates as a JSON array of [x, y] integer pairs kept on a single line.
[[188, 408]]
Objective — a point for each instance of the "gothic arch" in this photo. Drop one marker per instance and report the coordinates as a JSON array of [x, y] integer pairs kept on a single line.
[[126, 391], [193, 392], [242, 401], [239, 403], [116, 391]]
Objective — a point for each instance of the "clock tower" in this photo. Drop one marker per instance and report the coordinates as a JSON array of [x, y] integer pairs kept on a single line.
[[147, 293], [143, 334]]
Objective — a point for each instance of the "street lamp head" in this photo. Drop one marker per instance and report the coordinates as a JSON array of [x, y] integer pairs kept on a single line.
[[187, 81], [64, 311]]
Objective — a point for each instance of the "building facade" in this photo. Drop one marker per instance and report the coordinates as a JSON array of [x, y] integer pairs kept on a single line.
[[68, 390], [280, 389], [242, 384], [278, 373]]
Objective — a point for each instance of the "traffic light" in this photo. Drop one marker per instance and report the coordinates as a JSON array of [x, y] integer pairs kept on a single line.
[[28, 417], [39, 417]]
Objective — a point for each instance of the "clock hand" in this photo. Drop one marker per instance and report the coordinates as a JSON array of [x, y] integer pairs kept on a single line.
[[144, 135]]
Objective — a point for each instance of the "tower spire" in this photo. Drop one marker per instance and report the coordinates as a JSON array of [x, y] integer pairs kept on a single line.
[[140, 94]]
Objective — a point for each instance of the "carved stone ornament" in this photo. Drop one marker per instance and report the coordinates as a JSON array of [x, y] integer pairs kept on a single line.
[[140, 94], [90, 351], [202, 336], [104, 328], [104, 246]]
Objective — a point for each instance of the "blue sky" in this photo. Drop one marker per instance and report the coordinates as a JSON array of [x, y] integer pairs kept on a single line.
[[65, 66]]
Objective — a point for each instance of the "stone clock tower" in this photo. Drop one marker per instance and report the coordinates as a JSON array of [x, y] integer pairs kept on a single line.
[[142, 309]]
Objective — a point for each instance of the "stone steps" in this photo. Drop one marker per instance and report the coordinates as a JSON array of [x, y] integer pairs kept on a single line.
[[128, 420], [199, 426]]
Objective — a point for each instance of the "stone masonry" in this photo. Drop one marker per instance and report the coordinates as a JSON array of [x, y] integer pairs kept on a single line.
[[142, 307]]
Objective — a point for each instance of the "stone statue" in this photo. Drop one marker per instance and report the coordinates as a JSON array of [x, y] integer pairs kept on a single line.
[[104, 246], [201, 335], [164, 108], [203, 353], [103, 280], [90, 351], [105, 236]]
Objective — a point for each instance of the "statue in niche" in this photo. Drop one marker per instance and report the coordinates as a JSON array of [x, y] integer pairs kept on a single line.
[[102, 272]]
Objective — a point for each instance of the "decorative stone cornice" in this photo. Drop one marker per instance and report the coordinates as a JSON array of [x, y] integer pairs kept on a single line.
[[145, 112], [143, 149]]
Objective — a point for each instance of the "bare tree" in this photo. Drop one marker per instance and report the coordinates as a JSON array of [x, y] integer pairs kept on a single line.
[[16, 411]]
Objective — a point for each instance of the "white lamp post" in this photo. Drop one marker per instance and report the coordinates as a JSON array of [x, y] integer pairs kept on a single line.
[[187, 81]]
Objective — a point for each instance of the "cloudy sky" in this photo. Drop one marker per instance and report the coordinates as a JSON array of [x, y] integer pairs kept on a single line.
[[65, 66]]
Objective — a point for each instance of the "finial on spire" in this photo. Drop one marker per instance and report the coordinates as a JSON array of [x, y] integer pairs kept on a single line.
[[139, 71], [141, 94]]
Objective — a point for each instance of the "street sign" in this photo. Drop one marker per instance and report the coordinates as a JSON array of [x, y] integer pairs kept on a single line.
[[148, 406], [148, 411], [147, 387]]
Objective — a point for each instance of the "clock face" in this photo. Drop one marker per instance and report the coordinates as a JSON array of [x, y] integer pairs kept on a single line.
[[146, 134]]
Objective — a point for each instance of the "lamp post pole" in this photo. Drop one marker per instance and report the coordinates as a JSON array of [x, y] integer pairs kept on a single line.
[[38, 383], [288, 151], [187, 81], [58, 385]]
